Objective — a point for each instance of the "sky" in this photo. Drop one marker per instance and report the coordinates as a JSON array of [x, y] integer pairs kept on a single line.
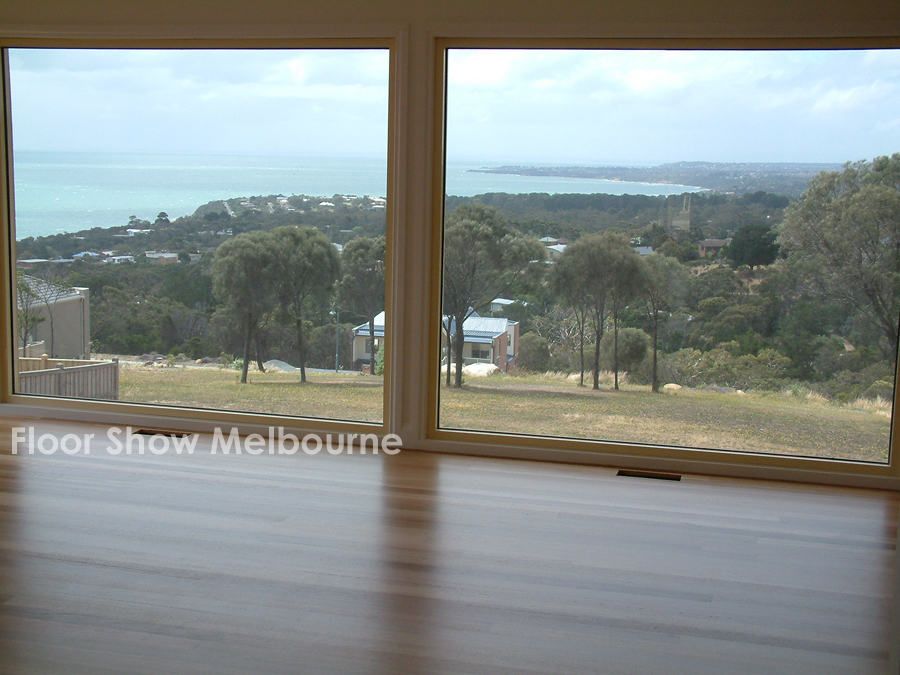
[[633, 107], [201, 101], [524, 106]]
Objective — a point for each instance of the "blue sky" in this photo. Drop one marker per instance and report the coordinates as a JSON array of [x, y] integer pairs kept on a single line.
[[528, 106]]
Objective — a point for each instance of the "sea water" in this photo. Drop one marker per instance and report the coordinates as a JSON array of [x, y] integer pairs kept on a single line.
[[68, 192]]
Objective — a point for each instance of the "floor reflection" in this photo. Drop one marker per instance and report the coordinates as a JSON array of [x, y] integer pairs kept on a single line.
[[409, 527]]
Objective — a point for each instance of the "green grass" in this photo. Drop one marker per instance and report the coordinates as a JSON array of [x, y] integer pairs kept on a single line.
[[548, 405]]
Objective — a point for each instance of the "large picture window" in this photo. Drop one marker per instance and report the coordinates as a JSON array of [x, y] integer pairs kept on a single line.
[[681, 248], [202, 228]]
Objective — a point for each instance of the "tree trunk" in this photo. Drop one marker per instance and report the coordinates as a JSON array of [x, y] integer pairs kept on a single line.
[[597, 323], [449, 352], [616, 347], [458, 347], [654, 386], [581, 346], [259, 363], [301, 350], [248, 335], [372, 337], [52, 341]]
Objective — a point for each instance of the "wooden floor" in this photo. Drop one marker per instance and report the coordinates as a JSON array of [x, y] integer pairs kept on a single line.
[[430, 564]]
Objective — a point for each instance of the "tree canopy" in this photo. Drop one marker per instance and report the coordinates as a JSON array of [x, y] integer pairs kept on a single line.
[[306, 267], [846, 229], [244, 282], [752, 245], [483, 258], [362, 287]]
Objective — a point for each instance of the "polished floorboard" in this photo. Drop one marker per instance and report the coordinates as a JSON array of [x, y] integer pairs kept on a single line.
[[431, 564]]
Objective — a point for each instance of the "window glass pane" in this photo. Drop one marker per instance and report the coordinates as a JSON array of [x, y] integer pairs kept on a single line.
[[202, 228], [689, 248]]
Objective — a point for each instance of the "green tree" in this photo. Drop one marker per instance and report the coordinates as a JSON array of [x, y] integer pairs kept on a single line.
[[664, 281], [847, 228], [632, 348], [569, 280], [752, 245], [622, 268], [483, 259], [581, 282], [534, 353], [307, 267], [244, 274], [362, 284]]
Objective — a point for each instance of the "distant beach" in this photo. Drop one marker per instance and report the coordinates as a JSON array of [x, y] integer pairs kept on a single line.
[[68, 192]]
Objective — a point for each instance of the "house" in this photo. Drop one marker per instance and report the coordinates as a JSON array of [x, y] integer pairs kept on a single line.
[[68, 335], [554, 251], [488, 340], [499, 304], [713, 246], [119, 259], [492, 340], [161, 258], [28, 263], [364, 345], [643, 250]]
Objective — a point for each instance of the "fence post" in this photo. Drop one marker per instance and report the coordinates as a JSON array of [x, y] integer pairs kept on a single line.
[[44, 358], [59, 379]]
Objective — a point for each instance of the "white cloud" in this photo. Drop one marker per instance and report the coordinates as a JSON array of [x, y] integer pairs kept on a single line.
[[201, 101], [671, 105]]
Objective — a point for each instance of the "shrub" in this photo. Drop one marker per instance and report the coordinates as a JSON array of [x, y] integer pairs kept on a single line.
[[633, 347], [721, 367], [534, 353]]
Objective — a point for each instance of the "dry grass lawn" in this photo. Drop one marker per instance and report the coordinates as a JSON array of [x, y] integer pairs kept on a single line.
[[553, 406], [343, 396]]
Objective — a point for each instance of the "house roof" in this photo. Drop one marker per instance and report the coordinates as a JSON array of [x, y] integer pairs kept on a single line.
[[363, 329], [478, 329], [42, 288]]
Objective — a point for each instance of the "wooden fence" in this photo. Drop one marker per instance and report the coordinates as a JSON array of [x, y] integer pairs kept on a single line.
[[70, 378]]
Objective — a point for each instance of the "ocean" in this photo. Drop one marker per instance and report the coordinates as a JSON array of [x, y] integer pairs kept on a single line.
[[68, 192]]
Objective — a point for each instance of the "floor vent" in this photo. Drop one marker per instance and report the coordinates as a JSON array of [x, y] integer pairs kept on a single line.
[[658, 475], [163, 432]]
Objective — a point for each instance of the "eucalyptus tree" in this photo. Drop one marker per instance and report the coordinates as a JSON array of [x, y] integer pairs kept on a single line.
[[362, 288], [568, 281], [306, 267], [622, 268], [846, 231], [598, 275], [244, 275], [663, 281], [484, 257]]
